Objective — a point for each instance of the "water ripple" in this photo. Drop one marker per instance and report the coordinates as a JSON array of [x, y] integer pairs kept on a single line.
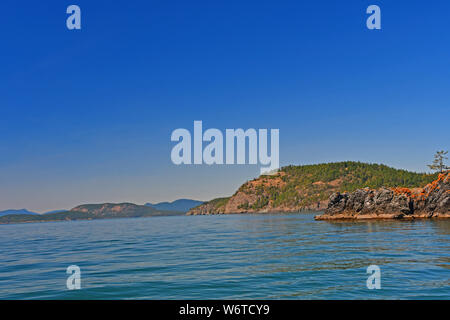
[[265, 256]]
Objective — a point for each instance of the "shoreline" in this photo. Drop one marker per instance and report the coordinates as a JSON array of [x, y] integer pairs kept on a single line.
[[347, 217]]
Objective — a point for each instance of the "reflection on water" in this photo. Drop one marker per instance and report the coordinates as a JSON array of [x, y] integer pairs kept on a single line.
[[260, 256]]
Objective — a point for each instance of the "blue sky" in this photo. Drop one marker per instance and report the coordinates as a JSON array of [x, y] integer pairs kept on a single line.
[[86, 116]]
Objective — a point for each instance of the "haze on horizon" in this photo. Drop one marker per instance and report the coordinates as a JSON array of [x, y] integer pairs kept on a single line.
[[86, 116]]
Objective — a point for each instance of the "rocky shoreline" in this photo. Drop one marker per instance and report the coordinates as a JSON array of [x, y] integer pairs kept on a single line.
[[432, 201]]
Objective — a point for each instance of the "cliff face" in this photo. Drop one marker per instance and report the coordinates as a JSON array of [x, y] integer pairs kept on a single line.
[[265, 194], [296, 188], [432, 201]]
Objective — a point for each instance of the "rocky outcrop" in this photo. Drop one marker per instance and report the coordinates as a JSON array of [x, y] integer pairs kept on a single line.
[[432, 201]]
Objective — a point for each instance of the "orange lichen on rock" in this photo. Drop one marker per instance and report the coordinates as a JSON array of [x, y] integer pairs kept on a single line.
[[432, 201], [423, 193], [400, 190], [442, 177], [267, 182]]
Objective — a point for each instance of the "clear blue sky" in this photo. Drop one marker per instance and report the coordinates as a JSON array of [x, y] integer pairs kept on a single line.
[[86, 116]]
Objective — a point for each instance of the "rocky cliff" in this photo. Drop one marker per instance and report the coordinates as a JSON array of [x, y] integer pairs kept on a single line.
[[432, 201], [296, 188]]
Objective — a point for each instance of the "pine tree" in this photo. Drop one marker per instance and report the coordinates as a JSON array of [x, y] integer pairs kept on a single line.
[[438, 162]]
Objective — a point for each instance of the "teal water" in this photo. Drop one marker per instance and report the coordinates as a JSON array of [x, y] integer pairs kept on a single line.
[[265, 256]]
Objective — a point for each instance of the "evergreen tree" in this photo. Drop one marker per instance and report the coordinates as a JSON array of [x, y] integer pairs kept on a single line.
[[438, 162]]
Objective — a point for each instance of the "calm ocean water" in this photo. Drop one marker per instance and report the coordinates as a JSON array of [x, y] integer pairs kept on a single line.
[[265, 256]]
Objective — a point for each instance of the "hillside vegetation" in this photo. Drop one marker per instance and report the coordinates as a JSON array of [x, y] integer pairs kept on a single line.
[[296, 188]]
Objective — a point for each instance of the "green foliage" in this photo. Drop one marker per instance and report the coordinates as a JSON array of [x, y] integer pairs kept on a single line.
[[306, 185], [219, 203]]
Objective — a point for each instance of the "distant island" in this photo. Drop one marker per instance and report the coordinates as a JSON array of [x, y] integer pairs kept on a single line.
[[183, 205], [16, 211], [101, 211], [90, 212], [308, 187]]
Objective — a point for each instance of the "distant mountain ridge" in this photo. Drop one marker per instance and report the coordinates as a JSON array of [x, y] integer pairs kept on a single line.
[[91, 212], [16, 211], [54, 211], [308, 187], [183, 205]]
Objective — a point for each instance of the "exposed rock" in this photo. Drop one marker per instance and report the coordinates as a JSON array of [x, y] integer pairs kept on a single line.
[[432, 201]]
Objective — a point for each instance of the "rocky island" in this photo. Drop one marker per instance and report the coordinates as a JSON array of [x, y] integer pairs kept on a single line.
[[308, 187], [432, 201]]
